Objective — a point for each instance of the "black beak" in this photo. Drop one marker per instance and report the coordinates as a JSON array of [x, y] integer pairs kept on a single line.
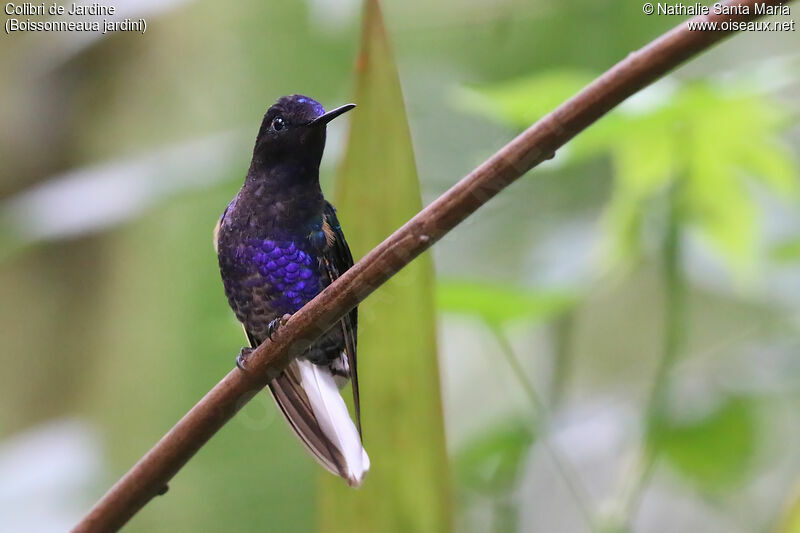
[[330, 115]]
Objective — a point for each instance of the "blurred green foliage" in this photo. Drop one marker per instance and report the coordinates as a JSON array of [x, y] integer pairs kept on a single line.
[[676, 167], [673, 138], [496, 304], [523, 101], [491, 463], [787, 251], [715, 451]]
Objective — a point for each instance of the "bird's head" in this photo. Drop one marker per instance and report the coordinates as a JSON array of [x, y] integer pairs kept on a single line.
[[293, 130]]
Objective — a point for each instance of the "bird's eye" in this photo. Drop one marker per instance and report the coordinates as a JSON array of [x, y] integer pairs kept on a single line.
[[278, 124]]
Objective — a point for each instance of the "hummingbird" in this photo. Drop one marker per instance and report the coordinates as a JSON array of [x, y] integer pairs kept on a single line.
[[279, 244]]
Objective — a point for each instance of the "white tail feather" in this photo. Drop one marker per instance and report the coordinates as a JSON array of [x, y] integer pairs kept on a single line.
[[334, 419]]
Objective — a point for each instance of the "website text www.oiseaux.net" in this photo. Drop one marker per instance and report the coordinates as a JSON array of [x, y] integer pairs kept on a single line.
[[758, 9], [736, 25]]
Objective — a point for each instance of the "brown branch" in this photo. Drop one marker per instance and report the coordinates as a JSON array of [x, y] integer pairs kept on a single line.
[[538, 143]]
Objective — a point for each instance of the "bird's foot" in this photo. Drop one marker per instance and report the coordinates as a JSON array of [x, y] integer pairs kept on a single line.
[[276, 324], [241, 359], [272, 327], [163, 490]]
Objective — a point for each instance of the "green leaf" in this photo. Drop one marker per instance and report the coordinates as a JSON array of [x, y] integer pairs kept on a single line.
[[501, 303], [720, 207], [731, 134], [492, 463], [407, 489], [713, 452]]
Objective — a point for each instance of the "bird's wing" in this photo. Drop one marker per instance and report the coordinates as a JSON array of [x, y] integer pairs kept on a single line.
[[338, 259]]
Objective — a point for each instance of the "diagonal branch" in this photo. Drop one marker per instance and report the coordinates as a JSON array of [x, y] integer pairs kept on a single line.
[[150, 475]]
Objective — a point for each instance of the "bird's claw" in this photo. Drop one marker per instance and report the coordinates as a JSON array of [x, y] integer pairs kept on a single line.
[[272, 327], [241, 359], [275, 324]]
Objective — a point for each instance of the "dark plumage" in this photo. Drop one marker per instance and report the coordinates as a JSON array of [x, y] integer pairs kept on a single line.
[[279, 244]]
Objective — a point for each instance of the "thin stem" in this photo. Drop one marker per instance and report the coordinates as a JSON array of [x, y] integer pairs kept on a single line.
[[562, 354], [675, 308], [516, 368], [674, 341], [564, 467]]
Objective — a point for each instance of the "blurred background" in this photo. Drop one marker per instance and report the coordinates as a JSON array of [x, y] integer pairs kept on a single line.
[[617, 333]]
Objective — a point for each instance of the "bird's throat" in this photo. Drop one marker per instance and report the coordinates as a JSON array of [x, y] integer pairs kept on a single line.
[[283, 195]]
